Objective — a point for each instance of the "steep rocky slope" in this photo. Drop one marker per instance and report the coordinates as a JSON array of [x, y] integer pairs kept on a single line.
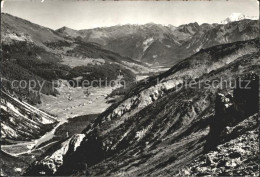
[[11, 166], [21, 121], [237, 157], [163, 45], [160, 127]]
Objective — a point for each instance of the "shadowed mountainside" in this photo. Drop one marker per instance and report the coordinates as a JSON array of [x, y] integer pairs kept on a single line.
[[159, 127]]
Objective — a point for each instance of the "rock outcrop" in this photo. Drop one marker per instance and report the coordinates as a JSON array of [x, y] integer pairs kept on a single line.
[[236, 157], [21, 121], [231, 109], [50, 164]]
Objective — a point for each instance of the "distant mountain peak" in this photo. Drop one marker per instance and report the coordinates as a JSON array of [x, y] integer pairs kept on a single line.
[[65, 28], [237, 17], [68, 31]]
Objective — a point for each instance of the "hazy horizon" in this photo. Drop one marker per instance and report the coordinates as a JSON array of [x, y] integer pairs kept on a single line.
[[78, 15]]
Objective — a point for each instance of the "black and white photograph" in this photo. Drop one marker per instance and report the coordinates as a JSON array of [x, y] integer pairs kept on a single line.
[[116, 88]]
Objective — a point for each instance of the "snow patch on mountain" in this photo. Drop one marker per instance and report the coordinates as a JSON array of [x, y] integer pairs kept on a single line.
[[237, 17], [6, 130], [76, 140], [147, 43], [140, 134]]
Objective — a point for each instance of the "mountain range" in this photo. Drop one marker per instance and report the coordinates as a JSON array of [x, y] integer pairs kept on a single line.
[[157, 126], [39, 53], [156, 44]]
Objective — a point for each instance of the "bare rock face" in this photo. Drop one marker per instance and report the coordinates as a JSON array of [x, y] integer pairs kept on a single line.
[[237, 157], [245, 99], [246, 94], [223, 115], [230, 110], [50, 164], [21, 121]]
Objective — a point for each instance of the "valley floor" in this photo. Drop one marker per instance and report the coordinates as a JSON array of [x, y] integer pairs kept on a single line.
[[72, 108], [73, 102]]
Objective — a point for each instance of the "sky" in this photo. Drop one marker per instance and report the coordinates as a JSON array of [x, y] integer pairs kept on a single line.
[[79, 14]]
